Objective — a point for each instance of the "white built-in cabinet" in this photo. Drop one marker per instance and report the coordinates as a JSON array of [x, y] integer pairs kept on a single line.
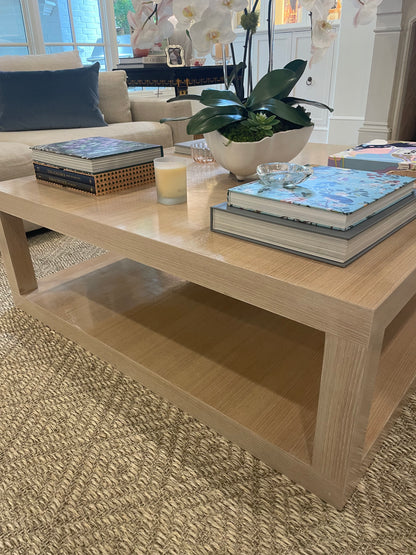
[[317, 81]]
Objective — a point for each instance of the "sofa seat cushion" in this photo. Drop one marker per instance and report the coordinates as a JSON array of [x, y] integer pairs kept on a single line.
[[142, 131]]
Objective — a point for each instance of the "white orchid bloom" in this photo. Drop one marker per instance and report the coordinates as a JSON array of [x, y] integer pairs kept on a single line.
[[145, 37], [146, 32], [166, 27], [231, 5], [165, 8], [164, 15], [188, 12], [320, 9], [214, 27], [138, 5], [317, 54], [307, 4], [367, 11], [323, 34]]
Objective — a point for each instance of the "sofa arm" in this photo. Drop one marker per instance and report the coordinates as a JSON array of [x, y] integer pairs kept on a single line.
[[154, 109]]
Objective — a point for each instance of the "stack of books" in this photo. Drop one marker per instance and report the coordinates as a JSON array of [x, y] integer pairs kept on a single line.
[[378, 155], [152, 59], [96, 165], [335, 215]]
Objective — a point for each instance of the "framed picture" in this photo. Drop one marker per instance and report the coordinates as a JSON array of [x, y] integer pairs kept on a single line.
[[175, 56]]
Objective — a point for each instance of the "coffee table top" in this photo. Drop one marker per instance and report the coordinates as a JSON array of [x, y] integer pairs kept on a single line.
[[178, 239]]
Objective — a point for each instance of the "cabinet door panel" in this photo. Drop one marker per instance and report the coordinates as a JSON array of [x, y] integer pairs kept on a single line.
[[315, 83]]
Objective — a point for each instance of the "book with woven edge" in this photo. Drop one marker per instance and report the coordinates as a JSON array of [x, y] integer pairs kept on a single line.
[[317, 242], [399, 155], [332, 197], [96, 154], [138, 176]]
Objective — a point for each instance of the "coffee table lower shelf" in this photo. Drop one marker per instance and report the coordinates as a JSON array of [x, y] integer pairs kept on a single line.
[[250, 374]]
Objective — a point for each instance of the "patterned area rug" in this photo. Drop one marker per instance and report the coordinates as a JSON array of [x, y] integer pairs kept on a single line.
[[94, 463]]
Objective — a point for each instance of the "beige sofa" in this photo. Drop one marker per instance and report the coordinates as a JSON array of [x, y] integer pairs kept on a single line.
[[129, 116]]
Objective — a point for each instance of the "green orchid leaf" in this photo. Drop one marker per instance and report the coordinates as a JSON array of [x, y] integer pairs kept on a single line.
[[210, 97], [298, 67], [179, 118], [292, 100], [184, 97], [238, 69], [283, 111], [212, 118], [212, 124], [273, 85]]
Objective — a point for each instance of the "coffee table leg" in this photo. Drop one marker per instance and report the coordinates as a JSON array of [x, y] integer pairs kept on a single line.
[[347, 383], [15, 252]]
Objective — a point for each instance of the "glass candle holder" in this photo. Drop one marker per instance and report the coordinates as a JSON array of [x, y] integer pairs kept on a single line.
[[201, 153], [170, 176], [219, 52]]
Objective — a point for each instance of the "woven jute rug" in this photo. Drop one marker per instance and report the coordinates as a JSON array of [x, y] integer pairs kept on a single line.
[[91, 462]]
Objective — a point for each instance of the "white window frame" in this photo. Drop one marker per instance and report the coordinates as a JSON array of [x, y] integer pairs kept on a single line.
[[34, 35]]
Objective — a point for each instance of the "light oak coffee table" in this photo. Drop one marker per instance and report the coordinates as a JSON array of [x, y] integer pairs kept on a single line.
[[300, 362]]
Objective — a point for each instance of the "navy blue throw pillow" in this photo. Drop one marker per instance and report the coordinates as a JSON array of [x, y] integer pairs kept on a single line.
[[50, 99]]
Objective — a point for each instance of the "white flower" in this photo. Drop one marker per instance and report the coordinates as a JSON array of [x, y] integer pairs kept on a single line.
[[367, 11], [231, 5], [145, 37], [317, 54], [322, 34], [146, 33], [307, 4], [320, 9], [188, 11], [214, 27]]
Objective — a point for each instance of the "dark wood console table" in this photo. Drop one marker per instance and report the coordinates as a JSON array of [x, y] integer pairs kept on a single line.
[[161, 75]]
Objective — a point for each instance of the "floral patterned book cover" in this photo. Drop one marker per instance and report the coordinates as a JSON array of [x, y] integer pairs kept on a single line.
[[333, 197], [94, 147], [374, 156]]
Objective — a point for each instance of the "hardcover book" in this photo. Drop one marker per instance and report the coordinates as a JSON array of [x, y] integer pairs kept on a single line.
[[332, 197], [186, 146], [374, 156], [138, 176], [96, 154], [318, 242]]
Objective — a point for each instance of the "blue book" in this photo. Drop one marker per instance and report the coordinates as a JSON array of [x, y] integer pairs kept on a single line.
[[96, 154], [331, 197], [377, 157], [65, 182], [54, 171]]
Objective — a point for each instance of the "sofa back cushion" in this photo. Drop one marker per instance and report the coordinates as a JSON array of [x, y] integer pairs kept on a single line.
[[114, 98], [60, 60], [59, 99], [112, 88]]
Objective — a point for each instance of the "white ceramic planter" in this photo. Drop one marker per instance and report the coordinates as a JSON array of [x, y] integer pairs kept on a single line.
[[242, 159]]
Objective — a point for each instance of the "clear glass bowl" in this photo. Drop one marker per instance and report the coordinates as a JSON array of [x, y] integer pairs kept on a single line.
[[282, 174]]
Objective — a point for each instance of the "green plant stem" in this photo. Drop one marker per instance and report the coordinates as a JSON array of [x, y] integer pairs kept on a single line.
[[270, 23], [250, 68]]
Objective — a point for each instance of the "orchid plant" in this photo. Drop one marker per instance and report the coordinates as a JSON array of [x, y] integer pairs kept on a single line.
[[267, 108]]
